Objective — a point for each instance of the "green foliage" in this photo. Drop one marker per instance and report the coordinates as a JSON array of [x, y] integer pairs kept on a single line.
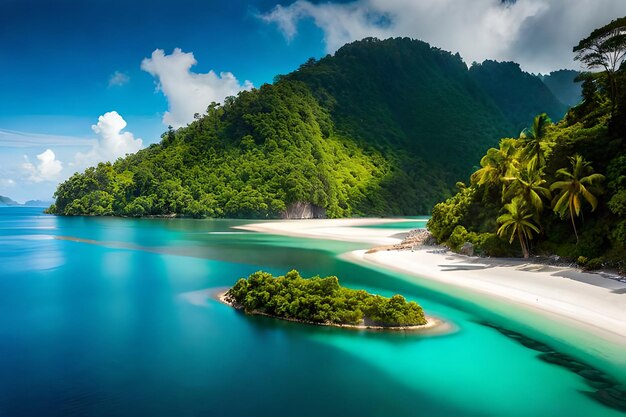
[[616, 178], [514, 182], [619, 235], [493, 77], [338, 133], [496, 164], [458, 237], [321, 300], [282, 157], [528, 184], [617, 203], [490, 244], [518, 222], [605, 47], [449, 214], [565, 86], [579, 184], [532, 140]]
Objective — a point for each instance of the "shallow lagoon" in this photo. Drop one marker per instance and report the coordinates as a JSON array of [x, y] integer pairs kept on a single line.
[[114, 319]]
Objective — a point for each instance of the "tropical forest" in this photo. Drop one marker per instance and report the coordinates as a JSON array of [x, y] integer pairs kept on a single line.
[[557, 188], [321, 300], [337, 134]]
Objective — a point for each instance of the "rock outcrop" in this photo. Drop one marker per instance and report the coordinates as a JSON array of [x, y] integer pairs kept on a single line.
[[304, 210]]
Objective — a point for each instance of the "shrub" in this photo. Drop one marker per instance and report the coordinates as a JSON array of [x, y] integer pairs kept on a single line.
[[457, 238]]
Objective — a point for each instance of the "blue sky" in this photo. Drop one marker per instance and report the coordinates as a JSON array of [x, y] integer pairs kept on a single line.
[[82, 80]]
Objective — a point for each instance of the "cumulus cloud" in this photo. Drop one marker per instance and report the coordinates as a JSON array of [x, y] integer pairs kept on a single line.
[[539, 34], [112, 143], [188, 92], [47, 169], [118, 79]]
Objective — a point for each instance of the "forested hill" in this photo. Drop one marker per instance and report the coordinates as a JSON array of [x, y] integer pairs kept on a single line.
[[558, 188], [505, 83], [380, 128], [564, 85]]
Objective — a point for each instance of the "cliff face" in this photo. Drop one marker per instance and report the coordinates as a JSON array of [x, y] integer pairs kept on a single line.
[[303, 210]]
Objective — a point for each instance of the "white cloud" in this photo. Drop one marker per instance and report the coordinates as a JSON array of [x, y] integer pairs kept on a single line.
[[188, 92], [7, 182], [539, 34], [47, 169], [118, 79], [112, 143]]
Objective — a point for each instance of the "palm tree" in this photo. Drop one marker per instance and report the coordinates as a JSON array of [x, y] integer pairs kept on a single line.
[[528, 184], [496, 164], [533, 138], [518, 222], [576, 187]]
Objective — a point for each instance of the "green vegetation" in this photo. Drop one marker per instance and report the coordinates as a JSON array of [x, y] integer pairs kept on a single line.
[[558, 188], [380, 128], [519, 100], [564, 85], [605, 48], [321, 300]]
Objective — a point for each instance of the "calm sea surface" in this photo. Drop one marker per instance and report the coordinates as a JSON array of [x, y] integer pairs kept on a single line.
[[113, 317]]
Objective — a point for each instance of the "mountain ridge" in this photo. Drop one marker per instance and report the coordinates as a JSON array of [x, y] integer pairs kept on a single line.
[[7, 201], [382, 127]]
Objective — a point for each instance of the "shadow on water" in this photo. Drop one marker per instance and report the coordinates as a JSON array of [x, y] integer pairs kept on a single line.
[[256, 367], [607, 391], [106, 334], [334, 389]]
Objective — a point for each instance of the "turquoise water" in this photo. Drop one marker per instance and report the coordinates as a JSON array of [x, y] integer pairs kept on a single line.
[[410, 223], [120, 324]]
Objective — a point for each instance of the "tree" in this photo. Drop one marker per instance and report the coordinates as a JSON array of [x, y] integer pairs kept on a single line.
[[575, 188], [532, 139], [528, 184], [518, 222], [605, 48], [496, 164]]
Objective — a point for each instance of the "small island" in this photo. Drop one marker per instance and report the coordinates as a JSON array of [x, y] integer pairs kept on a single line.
[[323, 301]]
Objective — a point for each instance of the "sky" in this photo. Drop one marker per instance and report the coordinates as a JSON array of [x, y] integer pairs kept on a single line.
[[83, 82]]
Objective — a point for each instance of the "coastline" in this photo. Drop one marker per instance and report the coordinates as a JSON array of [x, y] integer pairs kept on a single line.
[[584, 300], [345, 230], [433, 326]]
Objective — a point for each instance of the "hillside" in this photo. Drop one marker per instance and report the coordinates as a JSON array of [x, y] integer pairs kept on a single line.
[[6, 201], [563, 85], [558, 189], [38, 203], [380, 128], [517, 93]]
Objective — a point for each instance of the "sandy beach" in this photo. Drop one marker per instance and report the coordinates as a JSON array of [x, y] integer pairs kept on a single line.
[[585, 300], [347, 230]]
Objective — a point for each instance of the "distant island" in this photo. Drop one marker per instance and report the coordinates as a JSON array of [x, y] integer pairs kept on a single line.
[[6, 202], [9, 202], [323, 301]]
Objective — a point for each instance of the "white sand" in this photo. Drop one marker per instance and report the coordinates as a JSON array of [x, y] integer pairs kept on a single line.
[[588, 301], [346, 230]]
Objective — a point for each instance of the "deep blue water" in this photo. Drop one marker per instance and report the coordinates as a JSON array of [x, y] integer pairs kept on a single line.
[[112, 317]]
